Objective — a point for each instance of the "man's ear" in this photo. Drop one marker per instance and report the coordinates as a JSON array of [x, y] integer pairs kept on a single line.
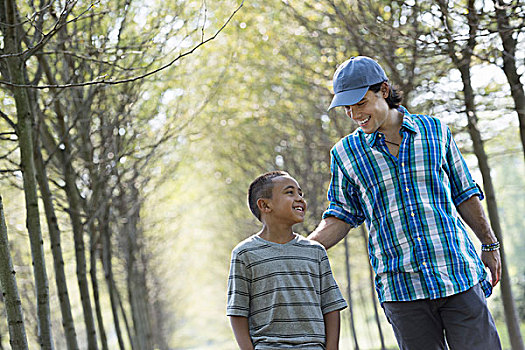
[[385, 89], [264, 205]]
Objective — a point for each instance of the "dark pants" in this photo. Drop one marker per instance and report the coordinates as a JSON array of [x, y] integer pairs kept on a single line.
[[463, 319]]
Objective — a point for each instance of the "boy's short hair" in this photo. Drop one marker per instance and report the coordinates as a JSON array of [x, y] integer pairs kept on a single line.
[[262, 187]]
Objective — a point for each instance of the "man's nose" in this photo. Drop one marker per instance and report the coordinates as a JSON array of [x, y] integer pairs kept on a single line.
[[351, 111], [348, 111]]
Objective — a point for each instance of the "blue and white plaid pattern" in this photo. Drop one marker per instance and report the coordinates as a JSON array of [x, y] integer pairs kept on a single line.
[[418, 246]]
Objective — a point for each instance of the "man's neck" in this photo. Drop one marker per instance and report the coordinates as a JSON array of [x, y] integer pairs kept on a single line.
[[392, 125]]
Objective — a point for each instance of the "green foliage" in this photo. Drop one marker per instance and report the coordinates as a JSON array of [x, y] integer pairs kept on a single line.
[[186, 142]]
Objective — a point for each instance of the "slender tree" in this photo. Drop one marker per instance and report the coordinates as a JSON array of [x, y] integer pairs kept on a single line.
[[56, 249], [15, 317], [509, 41], [462, 57], [16, 70], [349, 294]]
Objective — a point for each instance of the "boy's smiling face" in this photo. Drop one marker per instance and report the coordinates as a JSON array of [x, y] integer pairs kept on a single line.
[[287, 203]]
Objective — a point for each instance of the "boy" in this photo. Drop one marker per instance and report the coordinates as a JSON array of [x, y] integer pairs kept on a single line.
[[281, 292]]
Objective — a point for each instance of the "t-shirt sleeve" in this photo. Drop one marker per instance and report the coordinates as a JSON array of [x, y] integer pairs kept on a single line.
[[238, 288], [343, 196], [331, 297], [462, 185]]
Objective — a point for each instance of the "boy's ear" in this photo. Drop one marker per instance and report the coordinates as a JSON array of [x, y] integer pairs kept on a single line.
[[264, 205]]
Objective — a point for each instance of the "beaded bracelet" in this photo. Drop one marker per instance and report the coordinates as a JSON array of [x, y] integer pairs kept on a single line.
[[490, 247]]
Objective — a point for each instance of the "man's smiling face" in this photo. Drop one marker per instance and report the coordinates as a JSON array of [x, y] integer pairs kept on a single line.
[[371, 112]]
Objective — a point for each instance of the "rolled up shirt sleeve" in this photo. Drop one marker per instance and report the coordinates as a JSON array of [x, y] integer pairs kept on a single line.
[[462, 185], [343, 196]]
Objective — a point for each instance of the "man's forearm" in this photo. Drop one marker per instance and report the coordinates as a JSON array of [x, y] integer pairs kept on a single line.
[[472, 212], [330, 231]]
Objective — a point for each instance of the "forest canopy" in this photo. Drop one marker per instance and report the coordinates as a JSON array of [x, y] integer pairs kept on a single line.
[[130, 131]]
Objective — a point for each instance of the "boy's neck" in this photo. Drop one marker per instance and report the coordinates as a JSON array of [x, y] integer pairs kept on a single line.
[[276, 234]]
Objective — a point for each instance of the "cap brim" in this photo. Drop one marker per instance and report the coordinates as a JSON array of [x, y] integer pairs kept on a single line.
[[348, 98]]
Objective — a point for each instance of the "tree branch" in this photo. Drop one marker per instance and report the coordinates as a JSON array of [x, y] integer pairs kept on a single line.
[[128, 80], [8, 120]]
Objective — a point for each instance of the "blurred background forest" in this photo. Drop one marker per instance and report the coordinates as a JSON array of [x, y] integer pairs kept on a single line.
[[131, 129]]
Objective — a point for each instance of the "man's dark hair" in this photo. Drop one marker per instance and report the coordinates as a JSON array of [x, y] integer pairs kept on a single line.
[[394, 97], [262, 187]]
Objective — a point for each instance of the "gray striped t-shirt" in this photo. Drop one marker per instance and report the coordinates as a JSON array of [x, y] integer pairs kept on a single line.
[[284, 290]]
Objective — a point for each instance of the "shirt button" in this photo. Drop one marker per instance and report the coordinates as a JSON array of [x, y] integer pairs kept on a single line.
[[407, 189], [403, 164], [412, 214], [419, 239], [424, 263]]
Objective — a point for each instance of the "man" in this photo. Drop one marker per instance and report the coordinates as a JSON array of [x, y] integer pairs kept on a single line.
[[404, 176]]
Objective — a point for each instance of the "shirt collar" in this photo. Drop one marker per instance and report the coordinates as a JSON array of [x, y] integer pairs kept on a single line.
[[408, 124], [408, 121]]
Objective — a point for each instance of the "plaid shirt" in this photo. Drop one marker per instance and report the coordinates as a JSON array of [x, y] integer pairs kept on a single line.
[[418, 246]]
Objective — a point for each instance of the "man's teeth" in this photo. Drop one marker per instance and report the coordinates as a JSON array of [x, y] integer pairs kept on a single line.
[[298, 208], [364, 121]]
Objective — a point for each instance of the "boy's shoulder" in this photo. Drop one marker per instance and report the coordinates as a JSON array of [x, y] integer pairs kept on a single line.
[[255, 243], [246, 245], [308, 243]]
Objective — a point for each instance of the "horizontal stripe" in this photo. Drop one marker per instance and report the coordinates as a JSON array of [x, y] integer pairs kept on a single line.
[[280, 258], [278, 305], [285, 289], [289, 273]]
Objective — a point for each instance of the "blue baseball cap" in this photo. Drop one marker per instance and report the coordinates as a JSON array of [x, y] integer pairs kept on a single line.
[[353, 78]]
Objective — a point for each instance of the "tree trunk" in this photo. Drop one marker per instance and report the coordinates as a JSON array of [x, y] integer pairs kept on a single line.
[[463, 64], [56, 249], [108, 273], [137, 288], [511, 316], [349, 294], [74, 202], [372, 290], [124, 317], [16, 69], [509, 65], [13, 304], [94, 283], [74, 211]]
